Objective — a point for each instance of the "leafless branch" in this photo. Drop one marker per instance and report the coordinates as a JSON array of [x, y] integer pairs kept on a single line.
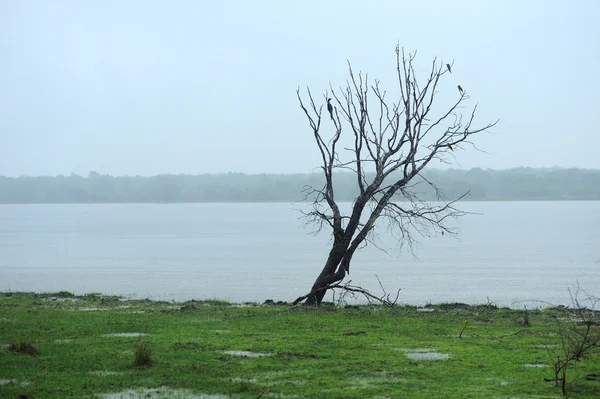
[[384, 300]]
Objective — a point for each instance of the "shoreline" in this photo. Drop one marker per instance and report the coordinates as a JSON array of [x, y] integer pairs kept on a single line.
[[67, 296], [290, 202]]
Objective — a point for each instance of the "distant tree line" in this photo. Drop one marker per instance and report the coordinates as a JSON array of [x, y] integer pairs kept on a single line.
[[483, 184]]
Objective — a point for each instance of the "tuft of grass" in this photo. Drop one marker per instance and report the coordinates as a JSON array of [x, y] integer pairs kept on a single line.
[[142, 354], [25, 347], [525, 321]]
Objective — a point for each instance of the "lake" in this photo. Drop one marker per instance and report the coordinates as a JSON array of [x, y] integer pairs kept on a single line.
[[509, 253]]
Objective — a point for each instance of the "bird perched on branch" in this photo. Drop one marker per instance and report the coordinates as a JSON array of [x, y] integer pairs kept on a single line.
[[450, 146], [460, 89], [449, 69], [330, 108]]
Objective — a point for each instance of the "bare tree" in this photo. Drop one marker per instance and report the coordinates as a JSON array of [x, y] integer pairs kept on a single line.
[[579, 332], [388, 146]]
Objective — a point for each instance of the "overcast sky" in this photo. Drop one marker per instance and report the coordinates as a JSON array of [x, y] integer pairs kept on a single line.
[[147, 87]]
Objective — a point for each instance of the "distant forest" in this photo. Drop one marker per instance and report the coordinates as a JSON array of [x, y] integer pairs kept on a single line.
[[484, 184]]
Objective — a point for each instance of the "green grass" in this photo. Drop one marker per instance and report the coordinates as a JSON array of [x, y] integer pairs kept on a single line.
[[86, 347]]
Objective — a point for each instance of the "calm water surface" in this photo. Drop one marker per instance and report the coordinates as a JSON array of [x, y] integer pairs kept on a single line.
[[510, 252]]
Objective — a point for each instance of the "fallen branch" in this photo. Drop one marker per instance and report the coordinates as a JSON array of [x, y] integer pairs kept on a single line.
[[524, 331], [463, 329], [385, 299], [520, 332], [263, 392]]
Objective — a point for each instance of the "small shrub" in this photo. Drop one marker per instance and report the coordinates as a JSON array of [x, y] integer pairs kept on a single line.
[[25, 347], [579, 333], [188, 308], [142, 354]]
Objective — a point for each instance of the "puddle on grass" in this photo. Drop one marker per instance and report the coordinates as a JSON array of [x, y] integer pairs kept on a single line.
[[246, 353], [497, 381], [427, 356], [423, 354], [105, 373], [536, 365], [414, 350], [369, 382], [209, 319], [126, 335], [248, 380], [4, 381], [160, 393]]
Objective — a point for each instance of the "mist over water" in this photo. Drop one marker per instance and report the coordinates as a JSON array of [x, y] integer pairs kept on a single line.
[[509, 252]]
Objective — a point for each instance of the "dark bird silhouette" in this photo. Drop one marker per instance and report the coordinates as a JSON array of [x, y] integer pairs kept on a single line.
[[460, 89], [449, 69], [330, 107], [450, 146]]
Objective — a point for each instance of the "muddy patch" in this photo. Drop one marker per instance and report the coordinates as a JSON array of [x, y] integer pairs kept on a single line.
[[186, 345], [423, 354], [124, 335], [298, 355], [160, 393], [246, 353]]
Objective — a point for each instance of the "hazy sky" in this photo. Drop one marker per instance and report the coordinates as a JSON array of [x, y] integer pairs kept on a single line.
[[148, 87]]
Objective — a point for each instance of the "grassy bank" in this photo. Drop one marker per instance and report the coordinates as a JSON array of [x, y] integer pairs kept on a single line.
[[61, 346]]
